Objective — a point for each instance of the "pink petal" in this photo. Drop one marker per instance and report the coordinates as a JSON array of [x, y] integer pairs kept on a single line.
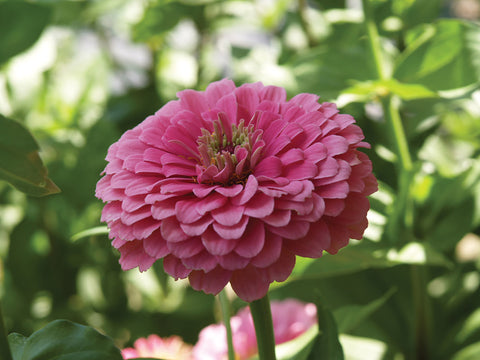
[[260, 206], [335, 144], [228, 105], [314, 243], [252, 242], [228, 214], [218, 89], [278, 218], [217, 245], [111, 211], [133, 255], [232, 261], [185, 211], [294, 230], [292, 156], [132, 203], [211, 282], [249, 284], [250, 189], [174, 267], [155, 245], [171, 230], [306, 170], [209, 203], [144, 228], [230, 191], [231, 232], [271, 251], [274, 93], [281, 269], [309, 102], [129, 218], [198, 227], [163, 209], [193, 101], [269, 167], [187, 248], [337, 190], [202, 261]]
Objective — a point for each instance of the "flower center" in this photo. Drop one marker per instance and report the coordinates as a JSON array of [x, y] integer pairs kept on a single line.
[[229, 153]]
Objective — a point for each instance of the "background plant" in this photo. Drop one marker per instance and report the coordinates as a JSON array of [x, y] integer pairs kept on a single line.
[[78, 74]]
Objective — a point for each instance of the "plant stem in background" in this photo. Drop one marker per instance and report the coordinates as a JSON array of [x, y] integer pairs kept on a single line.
[[422, 322], [262, 319], [5, 353], [225, 305]]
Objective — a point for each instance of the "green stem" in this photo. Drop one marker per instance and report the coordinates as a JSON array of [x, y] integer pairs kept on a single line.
[[225, 305], [5, 353], [423, 317], [262, 319], [374, 40]]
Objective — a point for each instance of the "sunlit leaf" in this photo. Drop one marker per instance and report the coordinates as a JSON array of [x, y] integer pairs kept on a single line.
[[20, 163], [64, 340], [471, 352], [99, 230], [426, 60], [21, 24]]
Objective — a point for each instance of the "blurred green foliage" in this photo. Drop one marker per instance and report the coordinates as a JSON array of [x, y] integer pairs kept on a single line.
[[78, 74]]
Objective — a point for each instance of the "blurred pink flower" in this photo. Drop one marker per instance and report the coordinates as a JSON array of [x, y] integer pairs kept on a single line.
[[171, 348], [291, 318], [230, 184]]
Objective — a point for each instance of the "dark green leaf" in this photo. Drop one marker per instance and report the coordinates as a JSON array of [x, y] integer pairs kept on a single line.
[[20, 163], [327, 345], [349, 317], [21, 24], [64, 340]]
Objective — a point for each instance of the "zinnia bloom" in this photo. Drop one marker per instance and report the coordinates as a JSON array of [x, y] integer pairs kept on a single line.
[[171, 348], [231, 184], [291, 318]]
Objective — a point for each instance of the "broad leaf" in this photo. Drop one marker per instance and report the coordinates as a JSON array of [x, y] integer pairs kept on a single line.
[[426, 60], [64, 340], [20, 163], [349, 317], [21, 24], [471, 352]]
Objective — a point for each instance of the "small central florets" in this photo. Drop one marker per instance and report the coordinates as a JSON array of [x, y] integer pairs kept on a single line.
[[229, 153]]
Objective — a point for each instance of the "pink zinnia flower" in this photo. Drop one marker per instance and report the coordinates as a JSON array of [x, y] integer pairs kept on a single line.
[[291, 318], [230, 184], [171, 348]]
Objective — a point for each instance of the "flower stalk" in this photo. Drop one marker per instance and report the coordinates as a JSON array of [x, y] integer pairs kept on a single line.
[[5, 353], [262, 320], [405, 168], [225, 305]]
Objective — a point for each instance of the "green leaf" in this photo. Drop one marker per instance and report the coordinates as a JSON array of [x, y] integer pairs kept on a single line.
[[367, 255], [349, 317], [414, 12], [98, 230], [471, 352], [327, 345], [427, 62], [383, 87], [64, 340], [20, 163], [21, 24]]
